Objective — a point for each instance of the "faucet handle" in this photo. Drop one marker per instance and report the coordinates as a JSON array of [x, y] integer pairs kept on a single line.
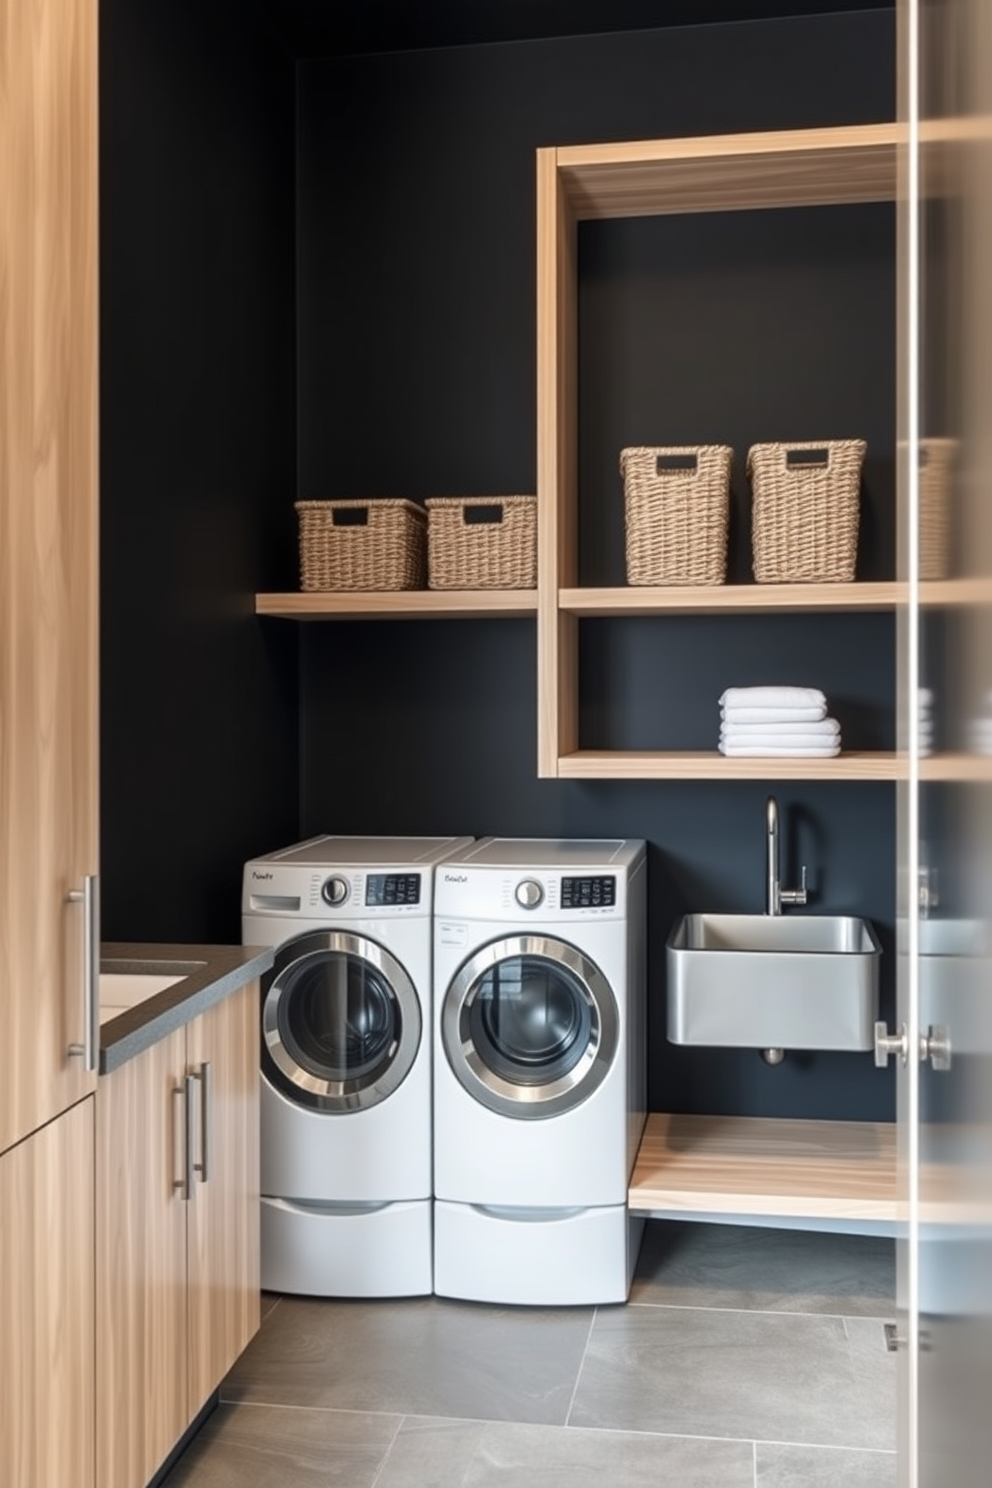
[[795, 896]]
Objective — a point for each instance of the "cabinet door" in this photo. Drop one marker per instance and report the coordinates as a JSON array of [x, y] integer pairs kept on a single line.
[[142, 1398], [46, 1306], [224, 1210], [48, 547]]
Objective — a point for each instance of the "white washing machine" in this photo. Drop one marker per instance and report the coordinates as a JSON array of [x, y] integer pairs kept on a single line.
[[539, 1069], [346, 1062]]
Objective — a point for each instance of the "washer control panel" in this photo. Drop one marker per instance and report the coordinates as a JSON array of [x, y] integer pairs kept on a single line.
[[392, 888], [594, 892]]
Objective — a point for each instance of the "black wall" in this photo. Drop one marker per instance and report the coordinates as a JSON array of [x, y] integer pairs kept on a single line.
[[199, 703], [319, 281], [417, 378]]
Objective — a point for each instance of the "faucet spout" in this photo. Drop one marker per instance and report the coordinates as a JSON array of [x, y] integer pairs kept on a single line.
[[773, 903], [775, 895]]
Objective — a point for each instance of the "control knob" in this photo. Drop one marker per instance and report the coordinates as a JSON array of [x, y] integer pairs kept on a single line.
[[334, 891], [529, 893]]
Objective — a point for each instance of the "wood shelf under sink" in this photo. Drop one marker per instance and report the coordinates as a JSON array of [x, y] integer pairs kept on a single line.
[[766, 1168]]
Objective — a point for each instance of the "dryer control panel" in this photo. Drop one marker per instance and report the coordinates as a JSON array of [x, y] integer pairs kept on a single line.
[[496, 894]]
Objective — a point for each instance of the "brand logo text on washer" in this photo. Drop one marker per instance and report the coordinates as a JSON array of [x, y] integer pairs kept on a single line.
[[456, 878], [255, 874]]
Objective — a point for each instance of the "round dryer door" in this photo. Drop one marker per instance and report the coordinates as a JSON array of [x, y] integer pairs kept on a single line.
[[341, 1022], [529, 1026]]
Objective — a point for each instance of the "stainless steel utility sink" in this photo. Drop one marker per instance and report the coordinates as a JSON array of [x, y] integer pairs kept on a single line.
[[773, 981]]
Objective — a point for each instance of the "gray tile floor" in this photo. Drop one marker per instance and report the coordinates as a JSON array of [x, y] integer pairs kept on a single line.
[[746, 1358]]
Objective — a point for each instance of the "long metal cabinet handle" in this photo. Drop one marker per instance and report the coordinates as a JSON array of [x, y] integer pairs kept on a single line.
[[205, 1076], [188, 1163], [89, 897], [182, 1145]]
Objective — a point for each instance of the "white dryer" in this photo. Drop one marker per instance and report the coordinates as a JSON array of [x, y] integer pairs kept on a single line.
[[346, 1062], [539, 1069]]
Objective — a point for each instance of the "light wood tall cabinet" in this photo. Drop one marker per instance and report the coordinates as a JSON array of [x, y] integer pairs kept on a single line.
[[48, 549], [46, 1306], [177, 1233], [48, 736]]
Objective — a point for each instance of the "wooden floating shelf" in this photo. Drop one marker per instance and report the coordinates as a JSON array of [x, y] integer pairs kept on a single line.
[[424, 604], [724, 173], [955, 593], [591, 764], [967, 769], [734, 599], [775, 1169], [722, 599]]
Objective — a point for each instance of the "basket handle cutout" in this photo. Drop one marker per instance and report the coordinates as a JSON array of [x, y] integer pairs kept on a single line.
[[481, 515], [807, 457], [350, 516], [677, 462]]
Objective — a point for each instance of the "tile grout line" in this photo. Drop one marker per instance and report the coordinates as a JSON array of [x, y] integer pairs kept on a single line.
[[268, 1313], [388, 1452], [763, 1311], [768, 1441], [578, 1372], [754, 1462]]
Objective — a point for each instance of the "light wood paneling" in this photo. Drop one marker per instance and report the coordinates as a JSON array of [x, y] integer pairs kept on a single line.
[[223, 1237], [46, 1306], [830, 1170], [142, 1406], [48, 545], [722, 173], [426, 604], [703, 764]]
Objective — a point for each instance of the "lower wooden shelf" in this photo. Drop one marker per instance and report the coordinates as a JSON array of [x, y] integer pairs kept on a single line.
[[807, 1171], [704, 764]]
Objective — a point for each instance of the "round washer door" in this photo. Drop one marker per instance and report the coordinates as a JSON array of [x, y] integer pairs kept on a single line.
[[341, 1022], [529, 1026]]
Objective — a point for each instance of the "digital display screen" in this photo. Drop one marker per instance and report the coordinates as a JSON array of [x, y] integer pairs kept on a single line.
[[588, 893], [392, 888]]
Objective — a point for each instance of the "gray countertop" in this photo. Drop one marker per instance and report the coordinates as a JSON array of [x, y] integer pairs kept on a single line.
[[206, 974]]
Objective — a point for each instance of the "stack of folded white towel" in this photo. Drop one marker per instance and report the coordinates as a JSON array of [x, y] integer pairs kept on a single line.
[[925, 717], [778, 721]]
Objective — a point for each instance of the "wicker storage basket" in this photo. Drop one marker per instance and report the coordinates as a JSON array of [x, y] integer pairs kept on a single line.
[[676, 509], [805, 510], [936, 461], [482, 542], [377, 544]]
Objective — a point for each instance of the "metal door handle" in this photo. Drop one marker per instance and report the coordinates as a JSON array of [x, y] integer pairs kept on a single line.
[[182, 1145], [188, 1164], [89, 897], [887, 1043], [935, 1045], [205, 1076]]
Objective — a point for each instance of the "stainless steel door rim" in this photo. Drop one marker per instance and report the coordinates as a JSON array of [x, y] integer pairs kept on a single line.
[[301, 1077], [534, 1089]]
